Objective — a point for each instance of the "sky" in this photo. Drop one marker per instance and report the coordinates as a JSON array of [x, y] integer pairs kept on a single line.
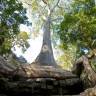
[[35, 43], [33, 50]]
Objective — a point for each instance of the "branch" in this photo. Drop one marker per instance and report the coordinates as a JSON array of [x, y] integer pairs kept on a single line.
[[60, 7], [58, 18], [46, 2], [27, 3], [54, 6]]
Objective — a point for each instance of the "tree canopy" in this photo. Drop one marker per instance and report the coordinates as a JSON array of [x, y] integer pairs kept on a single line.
[[12, 14], [79, 25]]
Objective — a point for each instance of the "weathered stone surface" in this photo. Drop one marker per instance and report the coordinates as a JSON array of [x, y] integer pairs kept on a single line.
[[89, 92], [39, 86], [83, 69], [33, 79]]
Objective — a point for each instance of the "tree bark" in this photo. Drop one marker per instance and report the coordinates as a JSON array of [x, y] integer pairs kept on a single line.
[[45, 56], [83, 69], [34, 71], [5, 67], [89, 92]]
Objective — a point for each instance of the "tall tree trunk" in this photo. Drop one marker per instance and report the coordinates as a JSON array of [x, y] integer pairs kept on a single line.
[[45, 56]]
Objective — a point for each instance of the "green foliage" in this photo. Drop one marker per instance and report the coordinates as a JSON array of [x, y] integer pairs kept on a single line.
[[21, 41], [79, 25], [93, 63], [67, 58], [12, 14]]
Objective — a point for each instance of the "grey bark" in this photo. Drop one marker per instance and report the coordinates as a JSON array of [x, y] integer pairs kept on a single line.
[[45, 56]]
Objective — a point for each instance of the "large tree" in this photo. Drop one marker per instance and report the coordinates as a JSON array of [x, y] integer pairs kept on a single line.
[[47, 12], [46, 57]]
